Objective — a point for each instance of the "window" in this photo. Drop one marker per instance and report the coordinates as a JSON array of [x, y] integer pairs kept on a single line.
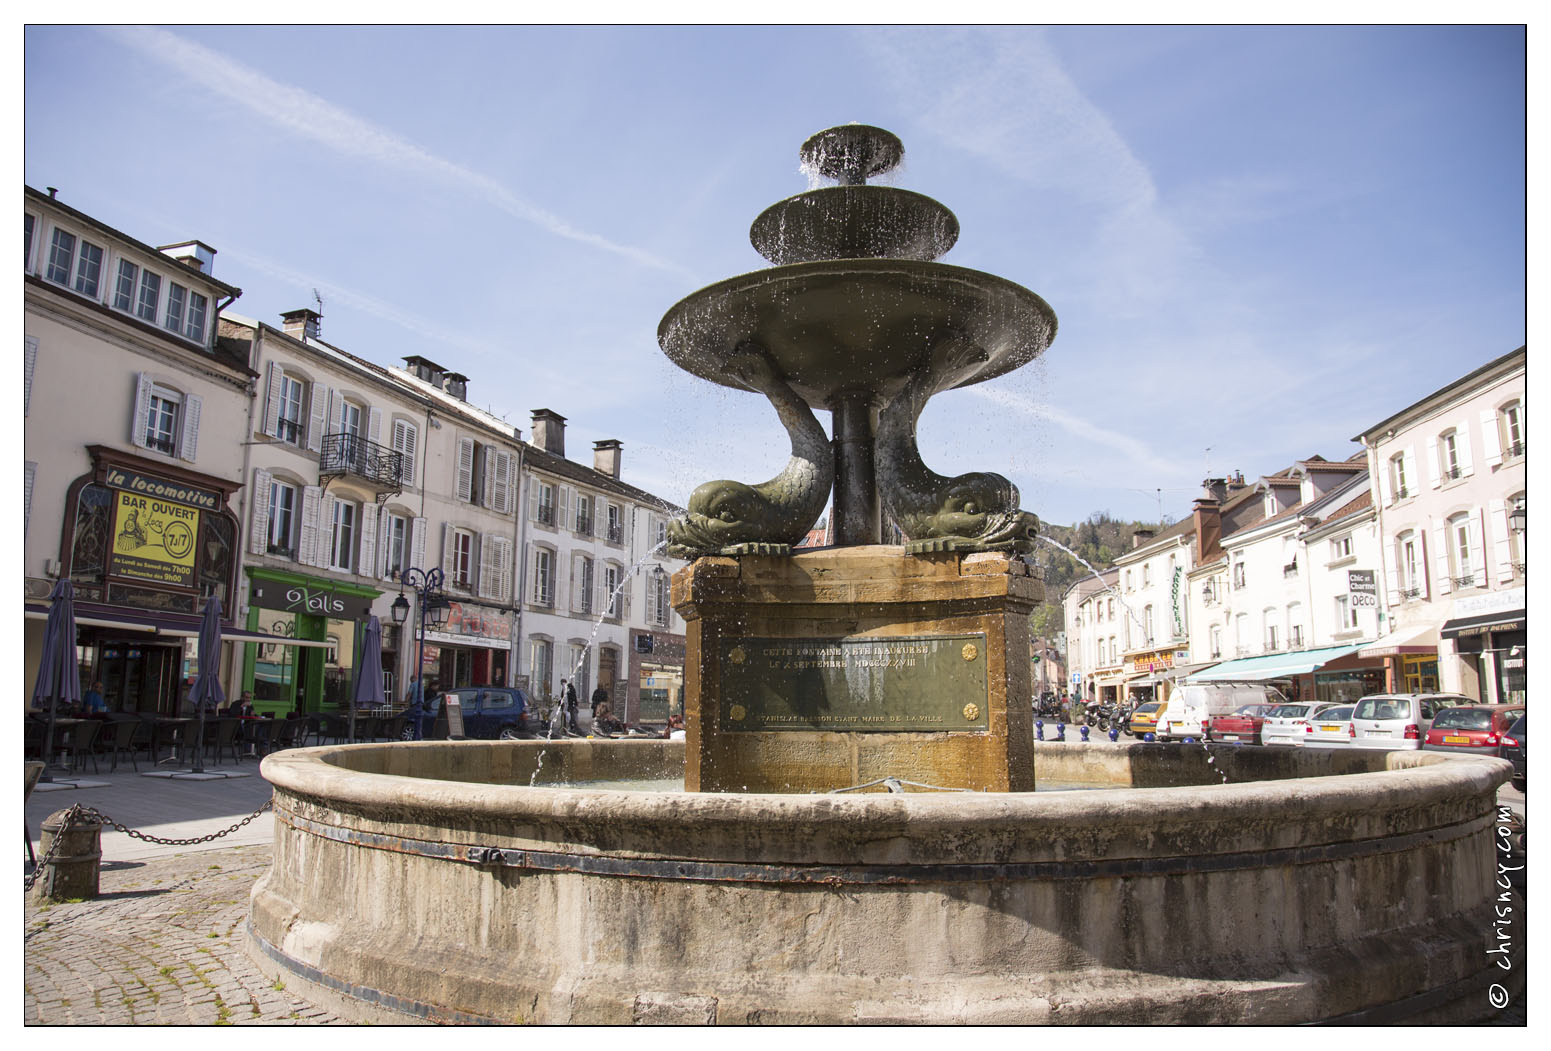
[[1238, 575], [462, 573], [1128, 581], [397, 545], [543, 576], [1448, 454], [464, 487], [344, 539], [1295, 625], [580, 672], [659, 533], [583, 514], [177, 296], [1268, 618], [1147, 629], [1346, 613], [612, 599], [198, 308], [1240, 633], [150, 295], [657, 590], [1111, 610], [582, 582], [292, 394], [544, 503], [161, 431], [60, 256], [27, 240], [1408, 565], [165, 420], [1147, 575], [1510, 420], [124, 289], [1461, 573], [1397, 476], [185, 312], [1216, 641], [616, 525], [282, 519], [541, 667], [1341, 547], [1101, 660]]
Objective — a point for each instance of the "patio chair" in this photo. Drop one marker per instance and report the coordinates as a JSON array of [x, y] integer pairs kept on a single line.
[[125, 736], [221, 735], [78, 740]]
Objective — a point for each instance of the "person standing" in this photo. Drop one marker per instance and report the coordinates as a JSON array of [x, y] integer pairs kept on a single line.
[[571, 707], [599, 696]]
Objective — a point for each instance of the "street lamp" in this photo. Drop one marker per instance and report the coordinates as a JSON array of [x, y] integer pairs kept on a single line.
[[1518, 518], [434, 611]]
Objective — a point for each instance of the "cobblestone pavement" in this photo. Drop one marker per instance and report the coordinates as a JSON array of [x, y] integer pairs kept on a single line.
[[162, 944]]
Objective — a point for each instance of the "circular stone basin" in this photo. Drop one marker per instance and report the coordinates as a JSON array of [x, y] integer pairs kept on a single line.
[[855, 324], [428, 880], [854, 222]]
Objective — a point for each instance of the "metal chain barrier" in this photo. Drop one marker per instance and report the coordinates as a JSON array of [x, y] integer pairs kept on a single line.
[[76, 811]]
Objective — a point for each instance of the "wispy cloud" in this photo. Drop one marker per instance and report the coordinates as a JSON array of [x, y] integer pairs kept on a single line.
[[1137, 456], [306, 115]]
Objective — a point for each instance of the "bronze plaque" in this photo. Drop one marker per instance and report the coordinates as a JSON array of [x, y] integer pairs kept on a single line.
[[921, 683]]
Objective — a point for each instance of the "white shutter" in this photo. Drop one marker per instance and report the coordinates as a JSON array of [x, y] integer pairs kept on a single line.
[[505, 481], [1501, 543], [578, 578], [417, 542], [364, 563], [651, 601], [384, 535], [188, 441], [503, 568], [1433, 476], [465, 489], [320, 406], [404, 434], [142, 410], [1392, 573], [324, 557], [272, 400], [336, 414], [563, 511], [446, 552], [258, 528], [489, 580], [1411, 475], [1477, 550], [1441, 554], [533, 499], [1491, 448], [1384, 485], [1462, 447], [374, 425], [307, 543], [487, 478], [30, 356]]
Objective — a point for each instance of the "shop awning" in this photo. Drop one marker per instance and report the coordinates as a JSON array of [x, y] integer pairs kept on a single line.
[[164, 627], [1271, 666], [1508, 620], [1423, 639]]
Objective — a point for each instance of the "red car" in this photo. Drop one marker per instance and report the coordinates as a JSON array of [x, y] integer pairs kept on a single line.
[[1474, 729], [1242, 726]]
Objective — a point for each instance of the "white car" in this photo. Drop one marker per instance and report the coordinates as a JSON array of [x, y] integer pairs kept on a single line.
[[1285, 724], [1398, 720], [1330, 728]]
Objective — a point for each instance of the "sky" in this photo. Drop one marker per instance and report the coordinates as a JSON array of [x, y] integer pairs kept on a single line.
[[1258, 241]]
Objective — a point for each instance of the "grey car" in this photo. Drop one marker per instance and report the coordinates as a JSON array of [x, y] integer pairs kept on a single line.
[[1398, 720]]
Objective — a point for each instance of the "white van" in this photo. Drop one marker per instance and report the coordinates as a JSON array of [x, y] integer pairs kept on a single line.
[[1191, 706]]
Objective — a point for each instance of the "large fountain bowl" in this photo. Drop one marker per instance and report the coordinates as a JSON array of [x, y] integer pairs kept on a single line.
[[855, 324]]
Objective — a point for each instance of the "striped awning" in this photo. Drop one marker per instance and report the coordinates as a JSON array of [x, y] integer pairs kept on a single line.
[[1271, 665]]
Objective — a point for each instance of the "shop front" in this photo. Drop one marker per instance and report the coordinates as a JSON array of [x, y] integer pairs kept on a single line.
[[311, 630], [144, 544], [1490, 642], [472, 649], [655, 687], [1331, 673], [1409, 660], [1151, 675]]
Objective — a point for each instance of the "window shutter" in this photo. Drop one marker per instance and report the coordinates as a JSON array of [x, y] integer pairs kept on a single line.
[[320, 408], [1477, 549], [1384, 487], [503, 569], [465, 483], [142, 410], [563, 512], [307, 543], [258, 532], [1392, 576], [1466, 467], [1434, 475], [577, 578], [506, 481], [1411, 477], [446, 552], [487, 478], [476, 552], [324, 557], [30, 355], [29, 472], [272, 400], [600, 589], [488, 578], [188, 441], [336, 414], [651, 602], [384, 535], [417, 542], [404, 442], [533, 499], [1441, 554], [1491, 447], [1501, 544], [374, 425], [368, 539]]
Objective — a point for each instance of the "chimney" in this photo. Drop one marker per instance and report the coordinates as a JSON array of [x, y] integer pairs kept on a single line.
[[303, 324], [1140, 537], [549, 431], [1215, 489], [1208, 523], [605, 457], [456, 384], [196, 254]]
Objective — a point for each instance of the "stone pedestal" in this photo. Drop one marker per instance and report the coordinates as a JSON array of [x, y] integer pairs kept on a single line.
[[844, 666]]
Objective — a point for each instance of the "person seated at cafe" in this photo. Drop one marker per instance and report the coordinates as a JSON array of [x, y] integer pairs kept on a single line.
[[242, 708], [675, 727], [93, 703], [603, 720]]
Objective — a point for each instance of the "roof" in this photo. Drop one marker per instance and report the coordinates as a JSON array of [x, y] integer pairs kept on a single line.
[[1444, 392], [539, 460]]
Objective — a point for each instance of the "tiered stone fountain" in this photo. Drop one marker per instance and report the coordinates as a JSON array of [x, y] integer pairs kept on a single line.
[[481, 881]]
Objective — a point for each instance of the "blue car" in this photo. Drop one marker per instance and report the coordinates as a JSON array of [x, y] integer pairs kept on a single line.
[[489, 712]]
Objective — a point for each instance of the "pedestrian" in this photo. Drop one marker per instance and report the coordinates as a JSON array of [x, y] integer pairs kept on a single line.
[[599, 696], [93, 703], [414, 705], [573, 725]]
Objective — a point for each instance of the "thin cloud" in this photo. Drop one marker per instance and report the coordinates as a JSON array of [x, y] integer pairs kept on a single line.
[[305, 114], [1138, 455]]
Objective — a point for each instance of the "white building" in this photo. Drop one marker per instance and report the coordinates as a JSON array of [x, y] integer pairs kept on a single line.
[[1449, 480], [1093, 633], [1154, 626]]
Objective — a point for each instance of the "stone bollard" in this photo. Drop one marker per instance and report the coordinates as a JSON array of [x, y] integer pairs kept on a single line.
[[73, 870]]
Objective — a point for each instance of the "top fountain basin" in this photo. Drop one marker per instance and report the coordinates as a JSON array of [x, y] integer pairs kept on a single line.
[[854, 222]]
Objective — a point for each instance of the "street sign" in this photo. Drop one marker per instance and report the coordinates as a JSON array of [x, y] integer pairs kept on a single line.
[[1076, 678]]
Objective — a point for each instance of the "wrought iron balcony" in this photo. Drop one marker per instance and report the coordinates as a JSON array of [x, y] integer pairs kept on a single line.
[[378, 466]]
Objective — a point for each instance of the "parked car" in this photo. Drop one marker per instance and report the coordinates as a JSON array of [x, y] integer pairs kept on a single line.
[[1471, 729], [1242, 726], [1145, 719], [1514, 748], [1191, 707], [1330, 728], [1284, 724], [1398, 720], [489, 712]]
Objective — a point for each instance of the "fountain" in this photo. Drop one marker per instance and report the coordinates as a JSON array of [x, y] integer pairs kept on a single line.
[[858, 841]]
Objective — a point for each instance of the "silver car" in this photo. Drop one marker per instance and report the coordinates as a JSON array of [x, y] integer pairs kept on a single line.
[[1398, 720], [1287, 723], [1330, 728]]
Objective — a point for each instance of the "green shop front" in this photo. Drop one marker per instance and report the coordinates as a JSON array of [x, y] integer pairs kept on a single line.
[[323, 623]]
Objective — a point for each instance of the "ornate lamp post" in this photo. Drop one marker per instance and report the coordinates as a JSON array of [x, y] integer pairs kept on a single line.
[[434, 611]]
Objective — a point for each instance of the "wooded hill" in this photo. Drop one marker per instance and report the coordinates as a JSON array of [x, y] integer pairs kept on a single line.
[[1100, 539]]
